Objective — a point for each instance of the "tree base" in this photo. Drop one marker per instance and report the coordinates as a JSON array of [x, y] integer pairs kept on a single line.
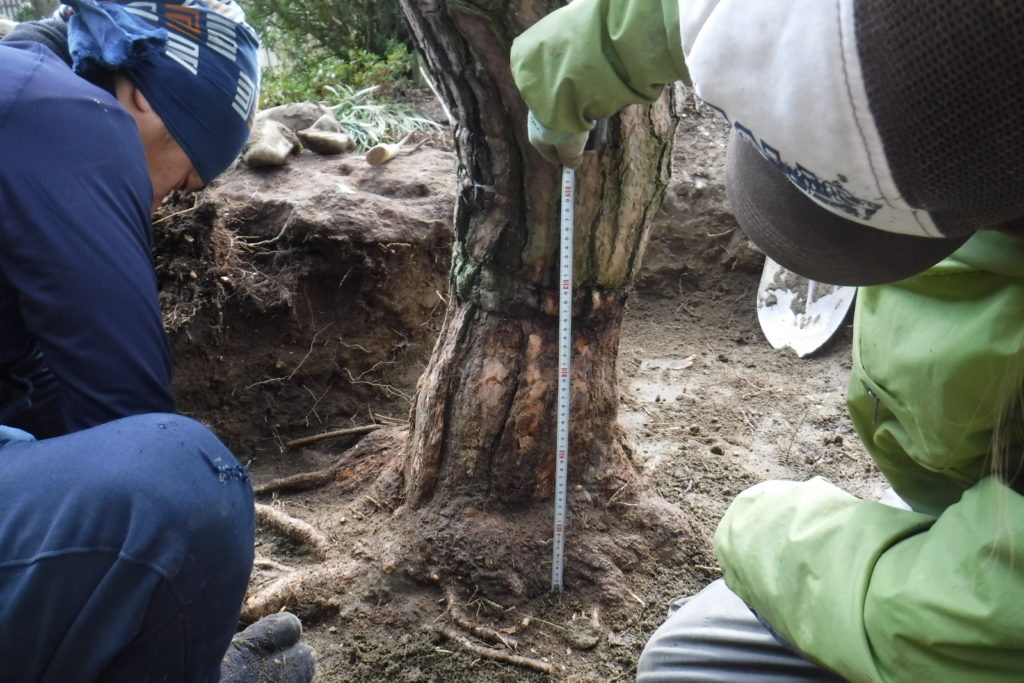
[[462, 569]]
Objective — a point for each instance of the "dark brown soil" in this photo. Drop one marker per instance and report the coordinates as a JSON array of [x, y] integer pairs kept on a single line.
[[306, 299]]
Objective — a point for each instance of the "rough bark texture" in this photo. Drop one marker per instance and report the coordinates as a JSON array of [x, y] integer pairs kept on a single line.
[[483, 416]]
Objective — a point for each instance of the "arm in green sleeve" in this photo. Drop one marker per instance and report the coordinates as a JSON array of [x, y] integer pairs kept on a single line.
[[587, 60], [881, 594]]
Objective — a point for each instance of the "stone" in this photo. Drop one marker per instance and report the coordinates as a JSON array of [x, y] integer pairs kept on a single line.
[[583, 633], [325, 141], [296, 115], [270, 144], [329, 123]]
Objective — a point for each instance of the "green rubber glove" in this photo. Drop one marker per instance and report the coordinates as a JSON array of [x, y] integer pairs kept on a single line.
[[564, 149]]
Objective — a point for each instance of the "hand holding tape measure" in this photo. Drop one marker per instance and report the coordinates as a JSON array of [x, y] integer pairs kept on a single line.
[[564, 149]]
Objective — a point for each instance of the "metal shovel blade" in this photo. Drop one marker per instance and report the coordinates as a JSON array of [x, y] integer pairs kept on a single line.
[[799, 313]]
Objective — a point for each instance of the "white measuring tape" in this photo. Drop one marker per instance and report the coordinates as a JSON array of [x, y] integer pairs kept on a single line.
[[564, 358]]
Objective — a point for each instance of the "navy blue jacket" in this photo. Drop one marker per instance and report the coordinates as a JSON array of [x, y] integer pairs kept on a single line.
[[76, 271]]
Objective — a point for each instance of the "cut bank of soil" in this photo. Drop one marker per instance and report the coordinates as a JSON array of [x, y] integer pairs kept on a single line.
[[288, 321]]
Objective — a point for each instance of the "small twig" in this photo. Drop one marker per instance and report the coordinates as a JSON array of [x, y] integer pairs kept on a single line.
[[499, 655], [708, 569], [634, 596], [362, 429], [294, 528]]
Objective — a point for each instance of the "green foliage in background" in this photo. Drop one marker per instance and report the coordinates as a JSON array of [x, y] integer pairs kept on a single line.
[[35, 9], [370, 122], [350, 55], [338, 26], [308, 77]]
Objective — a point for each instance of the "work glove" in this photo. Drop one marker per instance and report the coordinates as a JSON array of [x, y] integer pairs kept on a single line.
[[267, 652], [564, 149]]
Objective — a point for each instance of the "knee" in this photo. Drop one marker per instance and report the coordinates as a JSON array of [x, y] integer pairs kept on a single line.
[[184, 491]]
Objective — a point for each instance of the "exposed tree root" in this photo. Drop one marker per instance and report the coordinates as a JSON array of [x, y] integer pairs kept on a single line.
[[294, 528], [271, 598], [303, 591], [266, 563], [498, 655], [331, 435], [298, 482], [459, 618], [356, 465]]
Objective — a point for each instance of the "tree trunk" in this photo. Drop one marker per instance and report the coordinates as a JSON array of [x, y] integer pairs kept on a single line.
[[483, 421]]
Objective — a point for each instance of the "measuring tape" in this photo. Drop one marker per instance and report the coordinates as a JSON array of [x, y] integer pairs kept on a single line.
[[564, 358]]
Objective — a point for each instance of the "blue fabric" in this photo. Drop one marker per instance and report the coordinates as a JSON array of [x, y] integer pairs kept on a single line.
[[76, 271], [197, 64], [125, 552], [13, 434]]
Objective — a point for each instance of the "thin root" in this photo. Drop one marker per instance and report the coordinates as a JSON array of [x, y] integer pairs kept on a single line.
[[498, 655], [298, 482], [481, 632], [294, 528], [331, 435], [267, 563]]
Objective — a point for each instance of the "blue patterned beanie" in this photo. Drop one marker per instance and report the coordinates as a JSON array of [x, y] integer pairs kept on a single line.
[[195, 61]]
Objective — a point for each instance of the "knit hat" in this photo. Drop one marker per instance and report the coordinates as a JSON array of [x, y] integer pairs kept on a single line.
[[871, 138], [195, 61]]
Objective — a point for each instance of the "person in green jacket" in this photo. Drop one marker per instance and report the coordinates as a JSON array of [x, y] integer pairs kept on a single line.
[[877, 144]]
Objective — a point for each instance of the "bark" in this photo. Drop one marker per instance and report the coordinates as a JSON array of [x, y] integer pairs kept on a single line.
[[483, 420]]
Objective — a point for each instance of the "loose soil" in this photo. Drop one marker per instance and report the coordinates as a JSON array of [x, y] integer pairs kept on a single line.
[[306, 299]]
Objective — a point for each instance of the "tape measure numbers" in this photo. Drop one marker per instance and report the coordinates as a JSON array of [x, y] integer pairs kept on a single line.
[[568, 213]]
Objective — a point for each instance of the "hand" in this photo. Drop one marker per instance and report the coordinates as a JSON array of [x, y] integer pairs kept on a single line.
[[558, 148], [269, 651]]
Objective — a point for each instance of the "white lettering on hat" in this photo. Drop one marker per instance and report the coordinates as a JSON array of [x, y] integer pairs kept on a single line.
[[183, 51], [146, 10], [245, 95], [791, 71], [220, 36]]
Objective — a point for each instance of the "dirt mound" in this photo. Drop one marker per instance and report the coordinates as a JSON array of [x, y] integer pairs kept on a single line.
[[306, 299]]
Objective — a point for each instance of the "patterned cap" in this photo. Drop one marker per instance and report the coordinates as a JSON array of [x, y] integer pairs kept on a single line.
[[195, 61], [871, 137]]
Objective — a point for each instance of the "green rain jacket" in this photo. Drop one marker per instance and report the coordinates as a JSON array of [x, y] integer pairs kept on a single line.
[[872, 592], [881, 594]]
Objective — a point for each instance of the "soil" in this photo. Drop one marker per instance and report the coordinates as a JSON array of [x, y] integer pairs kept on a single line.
[[306, 299]]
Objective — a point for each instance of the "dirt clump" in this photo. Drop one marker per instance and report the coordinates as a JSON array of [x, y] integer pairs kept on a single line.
[[306, 299]]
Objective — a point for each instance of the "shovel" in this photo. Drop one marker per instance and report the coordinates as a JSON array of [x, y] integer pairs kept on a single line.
[[799, 313]]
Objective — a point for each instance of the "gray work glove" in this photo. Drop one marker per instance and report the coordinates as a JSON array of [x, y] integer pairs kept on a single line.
[[269, 652], [565, 149]]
